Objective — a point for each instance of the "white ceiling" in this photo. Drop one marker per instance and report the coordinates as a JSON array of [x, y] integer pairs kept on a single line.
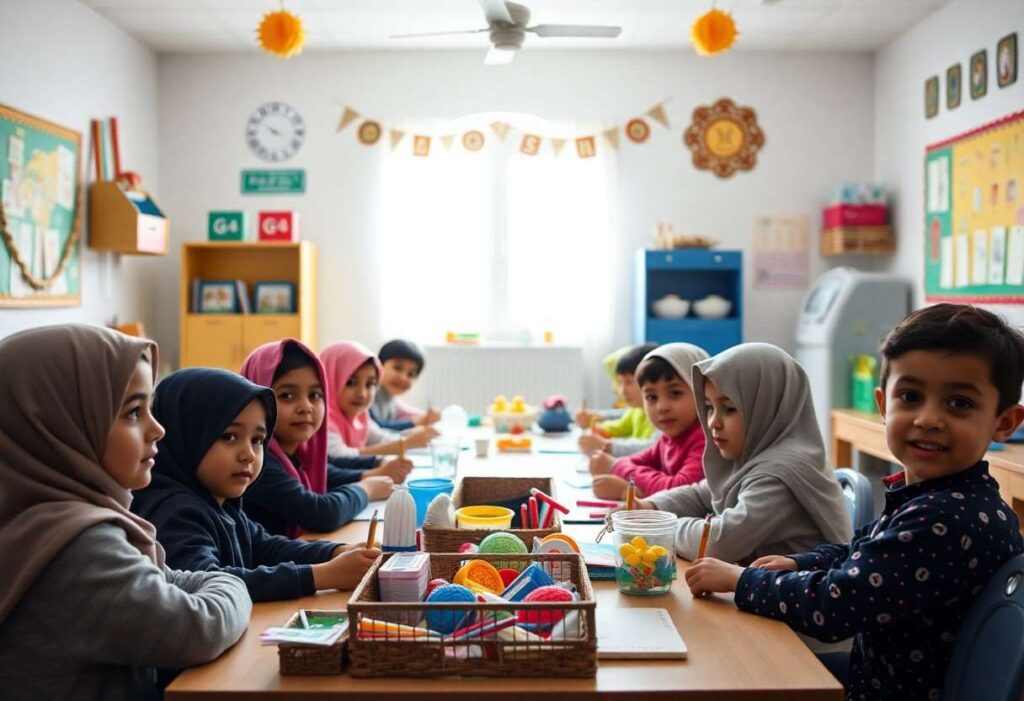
[[229, 25]]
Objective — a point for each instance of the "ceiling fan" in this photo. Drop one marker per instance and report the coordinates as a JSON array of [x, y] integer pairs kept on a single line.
[[507, 24]]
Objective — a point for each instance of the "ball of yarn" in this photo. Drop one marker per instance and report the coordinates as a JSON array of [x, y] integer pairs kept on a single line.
[[502, 543], [546, 595], [434, 584], [445, 621], [508, 575]]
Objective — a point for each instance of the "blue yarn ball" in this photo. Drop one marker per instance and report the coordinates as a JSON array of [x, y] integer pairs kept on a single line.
[[446, 621]]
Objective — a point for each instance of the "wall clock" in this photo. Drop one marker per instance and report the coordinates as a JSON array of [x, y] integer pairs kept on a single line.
[[724, 138], [275, 131]]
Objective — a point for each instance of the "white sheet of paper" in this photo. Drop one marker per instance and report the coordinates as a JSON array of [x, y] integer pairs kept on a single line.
[[65, 177], [962, 267], [51, 251], [997, 255], [946, 262], [15, 150], [617, 636], [1015, 257], [979, 267], [933, 186], [943, 178], [10, 198], [23, 237]]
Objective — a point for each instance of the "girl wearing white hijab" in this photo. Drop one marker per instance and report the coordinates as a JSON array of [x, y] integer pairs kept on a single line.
[[766, 483], [87, 608]]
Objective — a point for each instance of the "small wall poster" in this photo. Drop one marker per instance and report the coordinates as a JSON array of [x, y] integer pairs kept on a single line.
[[781, 251]]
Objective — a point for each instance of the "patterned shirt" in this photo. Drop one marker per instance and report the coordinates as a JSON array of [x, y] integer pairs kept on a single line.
[[902, 587]]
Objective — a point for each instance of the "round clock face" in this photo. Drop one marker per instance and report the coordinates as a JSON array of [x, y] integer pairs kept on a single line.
[[275, 131]]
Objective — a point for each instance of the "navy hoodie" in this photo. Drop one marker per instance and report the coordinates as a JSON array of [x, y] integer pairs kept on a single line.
[[195, 406]]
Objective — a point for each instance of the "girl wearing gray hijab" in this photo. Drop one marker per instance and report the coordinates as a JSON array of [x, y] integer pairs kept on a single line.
[[766, 484], [88, 609]]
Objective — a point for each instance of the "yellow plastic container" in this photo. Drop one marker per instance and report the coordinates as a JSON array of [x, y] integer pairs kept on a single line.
[[489, 518]]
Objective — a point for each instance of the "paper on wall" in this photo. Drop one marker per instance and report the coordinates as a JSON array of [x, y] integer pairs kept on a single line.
[[65, 177], [946, 262], [15, 150], [997, 255], [1015, 257], [979, 268], [962, 266]]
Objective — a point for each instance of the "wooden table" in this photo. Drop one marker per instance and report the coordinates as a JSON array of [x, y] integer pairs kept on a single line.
[[732, 655], [857, 430]]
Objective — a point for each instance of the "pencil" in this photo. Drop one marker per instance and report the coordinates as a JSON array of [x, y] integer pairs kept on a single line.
[[523, 515], [302, 617], [373, 530], [593, 423], [630, 495], [401, 448], [704, 537]]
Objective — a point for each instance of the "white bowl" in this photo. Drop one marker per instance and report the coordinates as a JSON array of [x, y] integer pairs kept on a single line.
[[671, 307], [712, 307]]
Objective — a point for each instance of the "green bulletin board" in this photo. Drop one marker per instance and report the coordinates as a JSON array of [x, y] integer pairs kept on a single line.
[[40, 212]]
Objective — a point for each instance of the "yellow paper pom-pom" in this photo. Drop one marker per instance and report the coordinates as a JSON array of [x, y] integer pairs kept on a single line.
[[281, 33], [713, 32]]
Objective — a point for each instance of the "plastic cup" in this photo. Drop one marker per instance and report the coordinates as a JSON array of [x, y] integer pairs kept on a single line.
[[445, 457], [423, 492], [483, 445], [484, 518]]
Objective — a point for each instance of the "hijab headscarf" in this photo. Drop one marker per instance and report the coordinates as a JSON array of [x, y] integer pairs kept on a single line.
[[772, 394], [62, 389], [682, 357], [260, 367], [341, 360]]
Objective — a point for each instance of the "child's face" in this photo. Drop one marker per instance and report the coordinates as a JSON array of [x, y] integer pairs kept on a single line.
[[357, 394], [940, 412], [131, 442], [630, 390], [724, 422], [300, 407], [236, 458], [669, 405], [399, 375]]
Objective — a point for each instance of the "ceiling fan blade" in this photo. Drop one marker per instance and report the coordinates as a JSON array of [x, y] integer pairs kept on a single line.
[[496, 12], [497, 57], [438, 34], [575, 30]]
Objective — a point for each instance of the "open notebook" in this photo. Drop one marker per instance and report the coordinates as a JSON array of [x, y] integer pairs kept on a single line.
[[638, 633]]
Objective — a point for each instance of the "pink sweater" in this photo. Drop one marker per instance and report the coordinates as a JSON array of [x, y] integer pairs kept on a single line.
[[670, 462]]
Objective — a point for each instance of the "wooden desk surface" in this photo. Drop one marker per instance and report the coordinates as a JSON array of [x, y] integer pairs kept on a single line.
[[732, 655]]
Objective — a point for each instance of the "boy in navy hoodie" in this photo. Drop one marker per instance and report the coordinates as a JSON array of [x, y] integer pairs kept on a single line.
[[950, 384], [218, 425]]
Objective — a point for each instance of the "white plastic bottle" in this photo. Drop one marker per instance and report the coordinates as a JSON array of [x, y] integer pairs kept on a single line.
[[399, 521]]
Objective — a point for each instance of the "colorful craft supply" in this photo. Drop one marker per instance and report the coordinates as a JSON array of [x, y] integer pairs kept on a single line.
[[548, 500], [372, 532], [529, 579], [372, 628], [399, 521], [563, 537], [546, 594], [479, 575], [704, 535], [445, 621], [471, 548], [524, 515], [596, 503], [486, 518], [434, 584], [631, 494], [534, 517], [404, 577], [481, 628], [548, 547], [508, 575]]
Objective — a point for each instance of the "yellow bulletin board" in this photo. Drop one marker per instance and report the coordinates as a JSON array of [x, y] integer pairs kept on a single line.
[[974, 215]]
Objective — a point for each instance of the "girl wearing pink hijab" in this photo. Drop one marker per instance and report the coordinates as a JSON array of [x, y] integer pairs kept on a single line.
[[353, 373]]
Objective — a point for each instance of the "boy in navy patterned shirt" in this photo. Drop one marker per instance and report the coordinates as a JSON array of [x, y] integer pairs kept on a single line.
[[950, 383]]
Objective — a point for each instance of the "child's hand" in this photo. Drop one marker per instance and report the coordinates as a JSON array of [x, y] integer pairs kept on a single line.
[[584, 417], [601, 463], [420, 436], [430, 418], [610, 487], [775, 562], [346, 570], [590, 443], [344, 548], [708, 575], [395, 468], [377, 487]]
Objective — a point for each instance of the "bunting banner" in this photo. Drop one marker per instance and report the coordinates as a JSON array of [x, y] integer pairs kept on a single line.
[[612, 136], [657, 113], [557, 145], [447, 140], [585, 147], [369, 132], [421, 145], [637, 130], [530, 145], [501, 129], [396, 136], [473, 140], [347, 117]]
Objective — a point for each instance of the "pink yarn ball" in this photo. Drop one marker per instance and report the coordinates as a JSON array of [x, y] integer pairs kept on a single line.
[[545, 594]]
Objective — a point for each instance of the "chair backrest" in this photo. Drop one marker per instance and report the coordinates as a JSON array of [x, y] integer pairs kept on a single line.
[[857, 490], [988, 655]]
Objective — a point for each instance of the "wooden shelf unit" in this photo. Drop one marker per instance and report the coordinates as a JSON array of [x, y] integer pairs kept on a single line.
[[224, 340]]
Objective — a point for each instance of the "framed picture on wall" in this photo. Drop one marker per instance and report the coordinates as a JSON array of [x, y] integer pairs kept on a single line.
[[953, 85], [218, 297], [931, 97], [1006, 60], [979, 74], [275, 297]]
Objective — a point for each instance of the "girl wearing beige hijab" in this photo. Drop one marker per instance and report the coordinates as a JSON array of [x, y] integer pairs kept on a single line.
[[87, 607]]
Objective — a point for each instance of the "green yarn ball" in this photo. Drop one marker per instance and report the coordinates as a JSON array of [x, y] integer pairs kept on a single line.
[[502, 543]]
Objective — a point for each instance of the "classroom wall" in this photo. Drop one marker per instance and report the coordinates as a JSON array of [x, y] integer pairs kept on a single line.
[[64, 62], [902, 132], [816, 111]]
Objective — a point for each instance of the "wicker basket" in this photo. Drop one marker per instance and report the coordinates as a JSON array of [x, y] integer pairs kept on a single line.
[[490, 655], [857, 239], [475, 491], [298, 660]]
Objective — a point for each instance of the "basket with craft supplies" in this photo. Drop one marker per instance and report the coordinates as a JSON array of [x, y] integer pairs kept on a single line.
[[312, 642], [479, 615], [442, 534]]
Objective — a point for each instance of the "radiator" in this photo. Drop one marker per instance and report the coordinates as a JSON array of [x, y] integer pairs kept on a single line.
[[471, 376]]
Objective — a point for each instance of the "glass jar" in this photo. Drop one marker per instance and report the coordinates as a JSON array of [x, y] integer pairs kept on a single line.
[[645, 558]]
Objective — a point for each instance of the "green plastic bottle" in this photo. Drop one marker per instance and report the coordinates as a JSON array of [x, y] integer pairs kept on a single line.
[[862, 389]]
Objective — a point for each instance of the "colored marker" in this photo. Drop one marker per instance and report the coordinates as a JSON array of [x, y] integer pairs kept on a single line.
[[548, 500]]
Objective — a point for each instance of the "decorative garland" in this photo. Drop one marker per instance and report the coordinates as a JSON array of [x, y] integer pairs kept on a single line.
[[69, 246]]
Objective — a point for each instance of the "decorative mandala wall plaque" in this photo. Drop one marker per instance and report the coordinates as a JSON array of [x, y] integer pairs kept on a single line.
[[724, 138]]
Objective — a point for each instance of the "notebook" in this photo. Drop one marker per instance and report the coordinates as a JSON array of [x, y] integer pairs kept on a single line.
[[638, 633]]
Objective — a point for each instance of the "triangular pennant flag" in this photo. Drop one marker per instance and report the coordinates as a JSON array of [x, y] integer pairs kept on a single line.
[[657, 113], [501, 129], [447, 140], [347, 117], [557, 145], [396, 136], [613, 137]]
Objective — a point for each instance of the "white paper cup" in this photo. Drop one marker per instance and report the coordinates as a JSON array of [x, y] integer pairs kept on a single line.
[[483, 445]]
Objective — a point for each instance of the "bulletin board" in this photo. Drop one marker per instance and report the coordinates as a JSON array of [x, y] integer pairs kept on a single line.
[[974, 215], [40, 212]]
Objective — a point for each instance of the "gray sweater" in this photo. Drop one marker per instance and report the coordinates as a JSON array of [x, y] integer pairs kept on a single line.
[[101, 617]]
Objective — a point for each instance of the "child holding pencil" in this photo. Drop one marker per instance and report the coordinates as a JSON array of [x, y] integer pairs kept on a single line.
[[626, 432]]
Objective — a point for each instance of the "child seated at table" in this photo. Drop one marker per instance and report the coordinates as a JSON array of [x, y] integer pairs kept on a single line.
[[620, 433], [401, 366]]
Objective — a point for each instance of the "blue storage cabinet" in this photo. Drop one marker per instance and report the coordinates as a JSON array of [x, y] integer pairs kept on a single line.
[[692, 274]]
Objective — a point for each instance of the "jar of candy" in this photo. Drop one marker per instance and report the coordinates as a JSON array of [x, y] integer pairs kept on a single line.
[[645, 558]]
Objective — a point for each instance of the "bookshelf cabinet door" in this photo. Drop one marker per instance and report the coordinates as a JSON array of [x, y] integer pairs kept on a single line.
[[214, 340], [258, 329]]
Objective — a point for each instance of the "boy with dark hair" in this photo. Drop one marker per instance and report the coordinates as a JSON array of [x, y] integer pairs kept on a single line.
[[402, 363], [951, 382], [630, 431]]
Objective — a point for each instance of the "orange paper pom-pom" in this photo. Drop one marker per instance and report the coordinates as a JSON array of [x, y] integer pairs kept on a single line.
[[281, 33], [713, 32]]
